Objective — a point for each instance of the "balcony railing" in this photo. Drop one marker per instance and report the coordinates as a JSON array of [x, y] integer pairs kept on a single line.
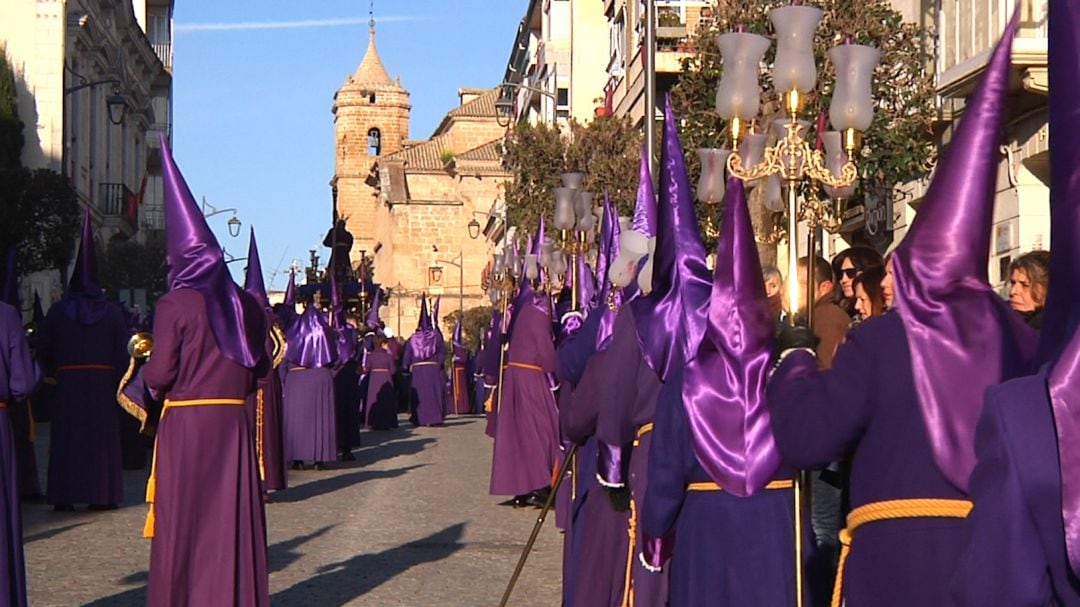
[[116, 201], [164, 52], [153, 218]]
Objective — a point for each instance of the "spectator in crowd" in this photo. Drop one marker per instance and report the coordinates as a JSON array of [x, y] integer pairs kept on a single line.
[[830, 321], [869, 297], [1029, 279], [846, 266], [774, 289]]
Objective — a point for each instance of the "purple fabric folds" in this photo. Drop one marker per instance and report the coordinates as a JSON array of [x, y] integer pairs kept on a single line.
[[1062, 310], [609, 250], [724, 386], [346, 334], [961, 335], [456, 338], [85, 300], [671, 320], [310, 345], [645, 206], [253, 276], [372, 321], [196, 262], [425, 340]]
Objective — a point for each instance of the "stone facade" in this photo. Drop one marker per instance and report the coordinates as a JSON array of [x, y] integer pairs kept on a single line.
[[408, 203]]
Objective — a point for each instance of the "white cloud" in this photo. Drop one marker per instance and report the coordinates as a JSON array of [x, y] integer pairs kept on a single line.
[[276, 25]]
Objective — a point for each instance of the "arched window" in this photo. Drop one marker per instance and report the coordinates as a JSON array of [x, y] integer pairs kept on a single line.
[[374, 142]]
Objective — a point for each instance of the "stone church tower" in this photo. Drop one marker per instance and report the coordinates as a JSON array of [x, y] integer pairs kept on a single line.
[[371, 119]]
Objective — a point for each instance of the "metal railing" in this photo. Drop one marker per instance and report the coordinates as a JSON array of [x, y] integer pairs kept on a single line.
[[164, 52], [116, 200]]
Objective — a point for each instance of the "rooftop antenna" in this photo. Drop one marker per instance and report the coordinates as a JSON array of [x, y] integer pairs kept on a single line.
[[371, 17]]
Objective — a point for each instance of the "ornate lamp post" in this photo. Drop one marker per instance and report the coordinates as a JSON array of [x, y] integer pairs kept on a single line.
[[575, 221], [801, 168]]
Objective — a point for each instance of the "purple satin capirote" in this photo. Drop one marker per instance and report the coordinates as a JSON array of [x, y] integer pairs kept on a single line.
[[425, 340], [962, 336], [372, 321], [724, 386], [644, 222], [609, 250], [1062, 310], [290, 291], [253, 276], [85, 300], [196, 262], [309, 343], [671, 319]]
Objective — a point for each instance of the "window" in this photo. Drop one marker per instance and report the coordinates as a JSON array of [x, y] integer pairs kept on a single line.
[[371, 98], [562, 102], [374, 142]]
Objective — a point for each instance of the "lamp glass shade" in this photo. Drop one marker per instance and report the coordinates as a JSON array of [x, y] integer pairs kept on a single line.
[[835, 159], [738, 94], [794, 67], [711, 183], [474, 228], [572, 180], [558, 263], [774, 196], [752, 151], [583, 205], [565, 199], [531, 268], [500, 262], [586, 224], [852, 104]]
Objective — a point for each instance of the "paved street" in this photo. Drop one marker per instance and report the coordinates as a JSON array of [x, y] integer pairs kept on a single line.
[[409, 523]]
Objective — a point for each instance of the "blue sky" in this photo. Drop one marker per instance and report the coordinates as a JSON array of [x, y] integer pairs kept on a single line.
[[253, 85]]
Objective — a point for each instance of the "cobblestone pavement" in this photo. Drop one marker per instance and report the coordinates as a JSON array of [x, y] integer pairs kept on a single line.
[[409, 523]]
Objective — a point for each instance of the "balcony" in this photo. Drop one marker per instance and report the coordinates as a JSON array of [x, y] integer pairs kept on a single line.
[[164, 52], [968, 31], [119, 207], [153, 219]]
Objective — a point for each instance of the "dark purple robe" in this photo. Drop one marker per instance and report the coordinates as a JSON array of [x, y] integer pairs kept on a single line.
[[1015, 551], [527, 428], [209, 545], [18, 378], [628, 400], [309, 415], [87, 361], [459, 403], [23, 429], [428, 383], [866, 407], [728, 550], [264, 416], [381, 398], [489, 368]]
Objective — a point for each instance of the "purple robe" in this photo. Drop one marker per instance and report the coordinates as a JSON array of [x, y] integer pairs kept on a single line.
[[458, 403], [309, 414], [381, 397], [428, 382], [493, 358], [628, 399], [269, 439], [1015, 552], [527, 428], [22, 425], [87, 361], [728, 550], [209, 545], [866, 407], [18, 378]]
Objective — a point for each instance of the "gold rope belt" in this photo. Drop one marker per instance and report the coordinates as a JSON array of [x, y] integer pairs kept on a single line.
[[711, 486], [526, 366], [87, 367], [3, 405], [379, 369], [425, 363], [259, 399], [891, 510], [642, 431], [628, 580], [297, 369], [151, 483]]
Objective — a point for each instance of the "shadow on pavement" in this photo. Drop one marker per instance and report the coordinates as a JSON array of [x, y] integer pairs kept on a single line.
[[374, 438], [283, 554], [330, 484], [369, 456], [136, 597], [339, 583], [44, 535]]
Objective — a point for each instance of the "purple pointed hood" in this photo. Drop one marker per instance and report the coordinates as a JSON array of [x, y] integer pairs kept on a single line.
[[310, 343], [196, 262], [456, 339], [609, 250], [346, 333], [671, 319], [253, 277], [84, 278], [9, 290], [1062, 316], [372, 321], [724, 386], [290, 290], [956, 326], [645, 206], [39, 312], [424, 342]]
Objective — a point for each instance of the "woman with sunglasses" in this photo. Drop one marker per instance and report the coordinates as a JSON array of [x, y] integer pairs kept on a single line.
[[847, 265]]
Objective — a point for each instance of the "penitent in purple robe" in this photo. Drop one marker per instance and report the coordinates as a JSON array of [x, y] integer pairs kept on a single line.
[[459, 403], [309, 413], [595, 568], [209, 543], [527, 427], [628, 399], [1015, 553], [18, 377], [728, 550], [381, 396], [866, 407], [489, 369], [264, 415], [428, 383], [83, 345]]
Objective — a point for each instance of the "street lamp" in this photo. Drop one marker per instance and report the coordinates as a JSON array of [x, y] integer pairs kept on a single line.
[[116, 103], [505, 107], [234, 222], [474, 228], [436, 271]]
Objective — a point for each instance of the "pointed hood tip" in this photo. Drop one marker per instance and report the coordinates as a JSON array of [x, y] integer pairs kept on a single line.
[[253, 275]]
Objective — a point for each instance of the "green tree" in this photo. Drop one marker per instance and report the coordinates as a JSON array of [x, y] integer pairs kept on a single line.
[[128, 264], [41, 218], [898, 145], [607, 149], [11, 126]]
